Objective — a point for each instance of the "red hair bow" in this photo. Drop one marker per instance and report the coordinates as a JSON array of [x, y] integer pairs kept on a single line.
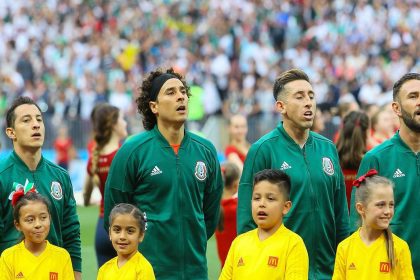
[[362, 178], [19, 193]]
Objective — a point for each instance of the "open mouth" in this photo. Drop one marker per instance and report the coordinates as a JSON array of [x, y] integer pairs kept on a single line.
[[36, 134], [181, 108], [262, 214], [308, 115]]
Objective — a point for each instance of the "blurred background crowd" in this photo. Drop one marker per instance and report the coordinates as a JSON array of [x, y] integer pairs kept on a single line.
[[71, 54]]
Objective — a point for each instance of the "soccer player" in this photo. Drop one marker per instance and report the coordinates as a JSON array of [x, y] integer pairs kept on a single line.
[[320, 213], [398, 159], [173, 176], [373, 251], [26, 166], [271, 251]]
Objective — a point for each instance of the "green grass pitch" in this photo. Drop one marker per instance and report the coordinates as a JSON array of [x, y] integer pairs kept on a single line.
[[88, 218]]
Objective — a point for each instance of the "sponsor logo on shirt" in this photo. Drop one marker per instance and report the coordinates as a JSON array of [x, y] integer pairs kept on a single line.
[[240, 262], [273, 261], [56, 190], [384, 267], [155, 171], [352, 266], [53, 275], [200, 171], [20, 275], [285, 166], [327, 166], [398, 173]]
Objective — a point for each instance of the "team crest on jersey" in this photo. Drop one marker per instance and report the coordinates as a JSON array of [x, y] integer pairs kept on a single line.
[[200, 171], [328, 166], [56, 190]]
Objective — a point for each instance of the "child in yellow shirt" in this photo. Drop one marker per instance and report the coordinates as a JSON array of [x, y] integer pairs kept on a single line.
[[34, 258], [271, 251], [126, 231], [373, 252]]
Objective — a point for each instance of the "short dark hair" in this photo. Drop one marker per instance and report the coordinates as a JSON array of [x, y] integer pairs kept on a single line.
[[126, 208], [397, 86], [277, 177], [145, 96], [287, 77], [10, 114]]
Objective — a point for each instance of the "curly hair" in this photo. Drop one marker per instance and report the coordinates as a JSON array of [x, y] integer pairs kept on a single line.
[[144, 90]]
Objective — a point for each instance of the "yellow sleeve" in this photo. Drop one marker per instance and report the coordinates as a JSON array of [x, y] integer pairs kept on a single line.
[[100, 273], [148, 273], [227, 270], [297, 265], [340, 263], [5, 269], [404, 267]]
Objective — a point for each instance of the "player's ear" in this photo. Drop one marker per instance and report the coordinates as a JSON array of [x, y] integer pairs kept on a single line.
[[10, 132]]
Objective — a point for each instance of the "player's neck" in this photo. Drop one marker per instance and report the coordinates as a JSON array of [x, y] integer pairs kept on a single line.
[[30, 157], [35, 248], [369, 235], [299, 135], [410, 138], [172, 133], [112, 145]]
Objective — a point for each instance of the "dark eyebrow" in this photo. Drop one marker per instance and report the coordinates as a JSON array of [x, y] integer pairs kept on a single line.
[[172, 88], [302, 92]]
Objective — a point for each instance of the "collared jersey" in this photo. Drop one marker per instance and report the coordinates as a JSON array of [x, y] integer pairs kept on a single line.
[[319, 213], [51, 181], [18, 262], [355, 260], [394, 160], [136, 268], [281, 256], [179, 193]]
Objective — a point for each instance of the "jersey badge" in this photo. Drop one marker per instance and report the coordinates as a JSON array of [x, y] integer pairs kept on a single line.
[[273, 261], [328, 166], [56, 190], [352, 266], [240, 262], [398, 173], [16, 186], [20, 275], [200, 171], [285, 166], [156, 170], [384, 267], [53, 275]]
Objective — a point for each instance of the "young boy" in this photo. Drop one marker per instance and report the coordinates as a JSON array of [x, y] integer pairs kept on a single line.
[[271, 251]]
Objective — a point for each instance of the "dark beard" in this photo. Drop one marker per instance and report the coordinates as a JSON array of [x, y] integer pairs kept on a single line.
[[410, 122]]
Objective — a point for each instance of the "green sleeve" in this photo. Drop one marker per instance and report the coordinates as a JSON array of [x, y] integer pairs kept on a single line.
[[341, 211], [71, 228], [212, 196], [119, 184], [244, 215], [368, 162]]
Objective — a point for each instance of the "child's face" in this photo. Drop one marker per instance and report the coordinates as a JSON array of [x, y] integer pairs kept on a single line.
[[379, 210], [268, 206], [125, 235], [34, 222]]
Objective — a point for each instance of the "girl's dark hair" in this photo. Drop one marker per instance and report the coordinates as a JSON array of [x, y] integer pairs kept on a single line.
[[104, 118], [351, 144], [145, 96], [25, 199], [363, 194], [231, 173], [126, 208]]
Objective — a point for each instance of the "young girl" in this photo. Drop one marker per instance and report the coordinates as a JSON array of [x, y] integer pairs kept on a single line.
[[373, 252], [109, 129], [226, 230], [238, 146], [34, 258], [126, 231]]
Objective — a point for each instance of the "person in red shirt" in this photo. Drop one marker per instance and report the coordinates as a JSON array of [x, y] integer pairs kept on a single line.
[[109, 128], [238, 146], [64, 149], [351, 146], [226, 229]]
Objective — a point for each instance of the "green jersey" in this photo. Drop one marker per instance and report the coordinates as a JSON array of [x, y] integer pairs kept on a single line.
[[52, 182], [394, 160], [179, 193], [319, 208]]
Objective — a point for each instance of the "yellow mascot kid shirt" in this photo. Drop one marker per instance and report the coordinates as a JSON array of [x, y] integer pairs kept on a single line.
[[136, 268], [281, 256], [52, 264], [355, 260]]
